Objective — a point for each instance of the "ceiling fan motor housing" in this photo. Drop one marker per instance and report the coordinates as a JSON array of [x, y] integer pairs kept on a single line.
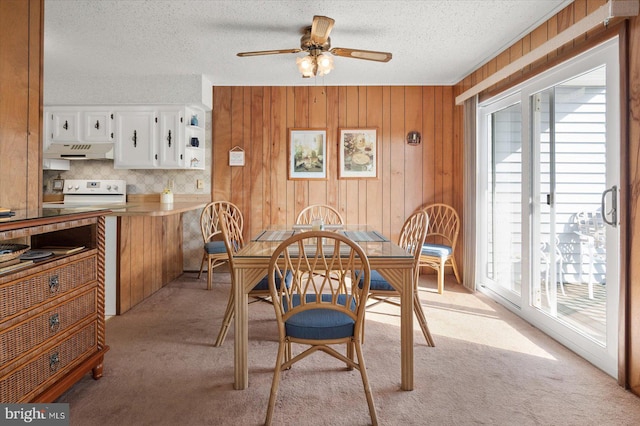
[[309, 46]]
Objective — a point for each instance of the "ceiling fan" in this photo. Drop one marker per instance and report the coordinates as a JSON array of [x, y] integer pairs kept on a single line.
[[317, 43]]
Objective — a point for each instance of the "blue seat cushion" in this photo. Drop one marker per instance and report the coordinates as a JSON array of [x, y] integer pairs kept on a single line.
[[264, 283], [215, 247], [378, 283], [436, 250], [320, 324]]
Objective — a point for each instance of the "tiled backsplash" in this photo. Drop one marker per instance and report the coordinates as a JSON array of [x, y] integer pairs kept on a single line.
[[151, 182]]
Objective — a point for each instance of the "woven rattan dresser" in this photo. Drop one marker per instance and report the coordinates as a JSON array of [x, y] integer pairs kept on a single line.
[[52, 325]]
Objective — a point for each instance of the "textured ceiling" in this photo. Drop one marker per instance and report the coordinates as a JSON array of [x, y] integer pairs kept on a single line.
[[433, 42]]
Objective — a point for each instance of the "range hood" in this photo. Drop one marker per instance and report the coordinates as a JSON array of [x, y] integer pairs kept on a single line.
[[79, 151]]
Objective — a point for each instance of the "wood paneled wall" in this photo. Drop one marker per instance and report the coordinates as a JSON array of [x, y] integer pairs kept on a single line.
[[21, 47], [629, 33], [544, 32], [257, 119]]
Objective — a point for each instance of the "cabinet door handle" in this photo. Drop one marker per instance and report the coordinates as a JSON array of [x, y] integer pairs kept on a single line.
[[54, 323], [65, 125], [54, 360], [97, 126], [169, 138], [135, 139], [54, 284]]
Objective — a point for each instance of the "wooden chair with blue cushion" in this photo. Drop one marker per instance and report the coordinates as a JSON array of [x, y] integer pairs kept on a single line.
[[323, 306], [234, 242], [214, 251], [439, 248], [411, 239]]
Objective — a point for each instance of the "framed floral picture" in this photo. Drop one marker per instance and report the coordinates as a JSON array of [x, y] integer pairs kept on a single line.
[[358, 154], [307, 154]]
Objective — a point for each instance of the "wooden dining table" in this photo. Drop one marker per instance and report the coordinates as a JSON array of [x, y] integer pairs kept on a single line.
[[390, 260]]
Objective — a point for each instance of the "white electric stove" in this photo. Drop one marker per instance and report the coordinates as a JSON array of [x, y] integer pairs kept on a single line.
[[91, 193]]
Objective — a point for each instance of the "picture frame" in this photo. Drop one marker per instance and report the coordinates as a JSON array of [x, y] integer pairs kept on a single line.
[[58, 184], [358, 153], [307, 154]]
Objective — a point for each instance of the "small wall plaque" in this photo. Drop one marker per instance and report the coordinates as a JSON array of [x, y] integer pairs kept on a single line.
[[236, 156]]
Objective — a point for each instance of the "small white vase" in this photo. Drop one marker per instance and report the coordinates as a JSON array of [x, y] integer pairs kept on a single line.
[[166, 198]]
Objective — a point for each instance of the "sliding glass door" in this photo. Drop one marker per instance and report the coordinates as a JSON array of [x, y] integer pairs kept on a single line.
[[501, 259], [549, 243]]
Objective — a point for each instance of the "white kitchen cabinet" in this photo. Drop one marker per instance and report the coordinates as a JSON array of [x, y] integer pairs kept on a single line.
[[98, 126], [168, 145], [135, 145], [63, 125], [169, 140], [143, 136], [82, 124]]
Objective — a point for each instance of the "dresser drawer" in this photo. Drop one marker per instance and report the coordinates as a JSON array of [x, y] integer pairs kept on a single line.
[[53, 322], [18, 296], [31, 378]]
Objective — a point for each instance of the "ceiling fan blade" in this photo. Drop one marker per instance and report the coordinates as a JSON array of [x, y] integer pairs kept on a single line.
[[369, 55], [320, 29], [269, 52]]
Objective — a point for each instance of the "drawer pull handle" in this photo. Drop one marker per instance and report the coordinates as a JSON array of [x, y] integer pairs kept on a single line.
[[54, 284], [54, 360], [54, 323]]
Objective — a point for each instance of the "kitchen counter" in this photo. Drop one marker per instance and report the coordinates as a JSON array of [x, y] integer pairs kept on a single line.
[[155, 209], [144, 240]]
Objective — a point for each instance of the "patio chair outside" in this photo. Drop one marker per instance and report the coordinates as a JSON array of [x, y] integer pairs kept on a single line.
[[591, 231], [546, 261]]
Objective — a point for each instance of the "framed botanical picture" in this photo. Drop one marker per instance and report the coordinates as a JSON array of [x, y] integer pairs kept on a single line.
[[358, 154], [307, 154]]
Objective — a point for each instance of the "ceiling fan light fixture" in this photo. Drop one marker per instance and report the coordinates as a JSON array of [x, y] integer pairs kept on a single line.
[[306, 66], [325, 64], [311, 66]]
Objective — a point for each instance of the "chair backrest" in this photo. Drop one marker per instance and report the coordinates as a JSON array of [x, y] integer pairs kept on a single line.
[[210, 221], [413, 234], [231, 235], [590, 224], [325, 275], [444, 224], [328, 214]]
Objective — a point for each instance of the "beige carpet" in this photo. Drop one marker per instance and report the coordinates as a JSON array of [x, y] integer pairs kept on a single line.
[[489, 367]]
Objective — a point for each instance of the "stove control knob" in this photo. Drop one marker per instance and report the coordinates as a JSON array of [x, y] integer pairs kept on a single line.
[[108, 187], [115, 187], [77, 188]]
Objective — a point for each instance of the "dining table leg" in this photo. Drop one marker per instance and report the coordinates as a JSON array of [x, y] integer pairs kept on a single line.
[[406, 331], [241, 338]]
